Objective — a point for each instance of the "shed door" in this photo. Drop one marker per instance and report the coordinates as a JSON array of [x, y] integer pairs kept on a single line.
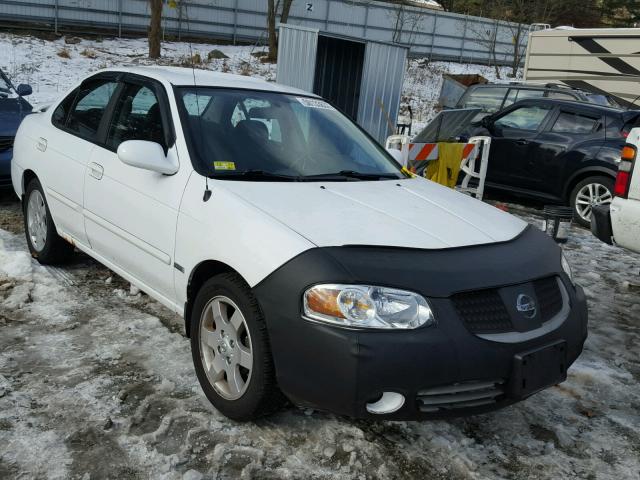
[[382, 78], [339, 73]]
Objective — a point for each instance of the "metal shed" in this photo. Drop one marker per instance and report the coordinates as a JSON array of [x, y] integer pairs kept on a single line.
[[363, 78]]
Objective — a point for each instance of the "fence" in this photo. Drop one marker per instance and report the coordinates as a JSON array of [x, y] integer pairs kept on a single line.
[[430, 33]]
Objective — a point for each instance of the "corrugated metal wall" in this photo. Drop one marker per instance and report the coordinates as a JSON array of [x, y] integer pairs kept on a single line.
[[432, 33], [297, 57], [382, 78]]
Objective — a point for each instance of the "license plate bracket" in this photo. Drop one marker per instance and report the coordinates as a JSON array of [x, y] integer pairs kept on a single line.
[[539, 368]]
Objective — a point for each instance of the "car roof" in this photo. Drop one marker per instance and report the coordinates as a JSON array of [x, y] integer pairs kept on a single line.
[[572, 104], [525, 85], [185, 76]]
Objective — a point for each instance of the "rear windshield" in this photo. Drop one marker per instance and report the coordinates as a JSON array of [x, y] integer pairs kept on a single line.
[[600, 99], [234, 131]]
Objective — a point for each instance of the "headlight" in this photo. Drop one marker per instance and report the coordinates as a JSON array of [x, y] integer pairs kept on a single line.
[[365, 306], [567, 268]]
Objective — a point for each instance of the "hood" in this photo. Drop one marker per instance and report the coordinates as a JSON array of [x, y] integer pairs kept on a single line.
[[411, 213]]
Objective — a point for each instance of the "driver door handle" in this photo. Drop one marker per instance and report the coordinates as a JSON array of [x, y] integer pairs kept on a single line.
[[95, 170], [522, 141]]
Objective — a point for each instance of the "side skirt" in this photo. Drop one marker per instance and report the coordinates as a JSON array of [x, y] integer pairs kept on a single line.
[[178, 309]]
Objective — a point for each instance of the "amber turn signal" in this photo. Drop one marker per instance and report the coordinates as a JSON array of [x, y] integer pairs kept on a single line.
[[628, 153], [324, 301]]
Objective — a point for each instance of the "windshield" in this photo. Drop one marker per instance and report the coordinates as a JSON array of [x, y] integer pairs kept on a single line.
[[253, 135]]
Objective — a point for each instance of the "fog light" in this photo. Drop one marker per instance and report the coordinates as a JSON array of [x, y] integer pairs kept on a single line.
[[389, 402]]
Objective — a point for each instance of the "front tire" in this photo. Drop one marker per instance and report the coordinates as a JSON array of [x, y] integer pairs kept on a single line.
[[45, 244], [231, 351], [588, 193]]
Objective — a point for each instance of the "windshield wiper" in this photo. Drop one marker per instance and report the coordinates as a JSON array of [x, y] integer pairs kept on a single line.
[[351, 174], [254, 175]]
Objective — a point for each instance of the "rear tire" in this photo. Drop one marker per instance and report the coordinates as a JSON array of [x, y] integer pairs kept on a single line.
[[592, 191], [45, 244], [231, 350]]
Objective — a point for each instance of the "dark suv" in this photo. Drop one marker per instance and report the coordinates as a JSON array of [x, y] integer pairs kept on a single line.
[[492, 98], [557, 151]]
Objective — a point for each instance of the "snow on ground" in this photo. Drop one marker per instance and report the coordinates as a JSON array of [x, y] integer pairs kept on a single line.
[[38, 62], [96, 381]]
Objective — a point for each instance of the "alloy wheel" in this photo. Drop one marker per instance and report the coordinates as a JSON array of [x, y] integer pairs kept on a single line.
[[37, 220], [589, 196], [225, 348]]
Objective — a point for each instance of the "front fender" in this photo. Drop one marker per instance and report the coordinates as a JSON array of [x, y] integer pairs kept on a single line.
[[229, 230]]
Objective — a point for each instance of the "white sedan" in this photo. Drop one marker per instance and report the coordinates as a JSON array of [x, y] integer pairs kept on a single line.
[[306, 262]]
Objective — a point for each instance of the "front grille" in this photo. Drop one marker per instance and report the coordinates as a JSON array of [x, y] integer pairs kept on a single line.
[[6, 143], [461, 395], [483, 311], [549, 297]]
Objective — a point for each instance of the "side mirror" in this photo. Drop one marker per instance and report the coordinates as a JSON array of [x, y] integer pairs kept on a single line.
[[146, 155], [23, 90]]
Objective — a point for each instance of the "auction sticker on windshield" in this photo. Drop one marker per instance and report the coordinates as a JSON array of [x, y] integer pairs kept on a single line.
[[224, 165], [314, 103]]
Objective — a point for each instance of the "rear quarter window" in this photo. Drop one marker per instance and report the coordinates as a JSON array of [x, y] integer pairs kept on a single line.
[[61, 113], [568, 122]]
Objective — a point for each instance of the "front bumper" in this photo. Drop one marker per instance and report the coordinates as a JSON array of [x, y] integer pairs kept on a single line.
[[340, 370], [601, 223]]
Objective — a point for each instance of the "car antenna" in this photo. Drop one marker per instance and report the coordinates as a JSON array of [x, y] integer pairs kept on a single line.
[[207, 192]]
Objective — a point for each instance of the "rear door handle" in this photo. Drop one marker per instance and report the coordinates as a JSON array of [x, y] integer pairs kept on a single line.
[[42, 144], [95, 170], [522, 141]]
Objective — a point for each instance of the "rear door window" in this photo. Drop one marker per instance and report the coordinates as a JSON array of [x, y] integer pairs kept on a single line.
[[568, 122], [89, 108], [524, 118], [489, 99], [61, 113], [517, 94]]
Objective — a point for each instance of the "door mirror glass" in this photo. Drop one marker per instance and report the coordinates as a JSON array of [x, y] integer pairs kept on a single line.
[[146, 155], [23, 90]]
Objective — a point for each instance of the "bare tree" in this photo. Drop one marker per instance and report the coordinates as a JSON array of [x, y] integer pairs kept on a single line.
[[276, 8], [155, 28], [487, 37], [513, 16], [406, 21]]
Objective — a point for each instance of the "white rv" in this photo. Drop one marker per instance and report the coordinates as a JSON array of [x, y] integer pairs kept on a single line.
[[605, 61]]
